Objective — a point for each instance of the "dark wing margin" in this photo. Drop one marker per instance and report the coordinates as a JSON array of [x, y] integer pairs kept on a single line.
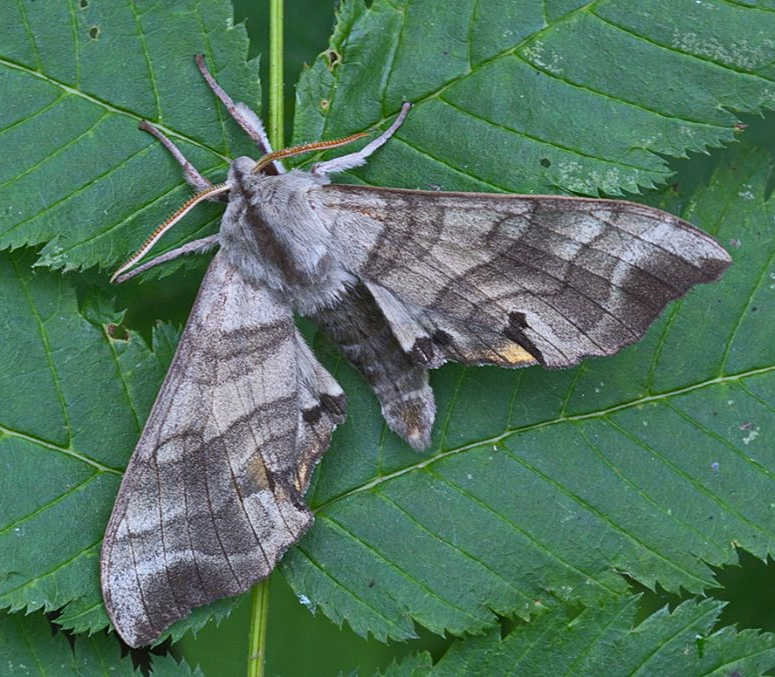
[[213, 494], [515, 280]]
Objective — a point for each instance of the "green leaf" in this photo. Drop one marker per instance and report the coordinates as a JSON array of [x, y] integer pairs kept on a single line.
[[77, 78], [555, 483], [76, 389], [540, 485], [536, 97], [606, 641], [29, 647]]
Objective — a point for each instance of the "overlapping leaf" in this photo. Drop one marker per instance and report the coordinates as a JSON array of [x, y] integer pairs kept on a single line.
[[29, 647], [74, 400], [539, 96], [76, 78], [606, 640]]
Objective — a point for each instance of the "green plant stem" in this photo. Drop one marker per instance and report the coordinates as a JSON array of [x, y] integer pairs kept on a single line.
[[258, 625], [276, 82], [260, 595]]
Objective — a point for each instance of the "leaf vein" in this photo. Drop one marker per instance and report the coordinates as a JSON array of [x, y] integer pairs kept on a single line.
[[450, 407], [391, 58], [544, 142], [636, 488], [547, 552], [28, 116], [603, 518], [47, 349], [89, 131], [497, 439], [454, 546], [43, 508], [391, 564], [639, 105], [676, 50], [30, 34], [148, 60], [54, 447], [359, 599], [35, 582]]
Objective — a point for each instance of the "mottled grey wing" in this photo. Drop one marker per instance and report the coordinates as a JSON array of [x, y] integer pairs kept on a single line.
[[514, 280], [213, 495]]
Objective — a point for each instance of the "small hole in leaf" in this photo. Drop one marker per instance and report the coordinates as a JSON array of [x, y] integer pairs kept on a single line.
[[116, 332], [546, 162], [84, 4], [334, 59], [94, 32]]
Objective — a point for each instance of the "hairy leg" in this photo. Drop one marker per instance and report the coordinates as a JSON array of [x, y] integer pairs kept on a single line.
[[242, 114], [193, 177], [358, 158]]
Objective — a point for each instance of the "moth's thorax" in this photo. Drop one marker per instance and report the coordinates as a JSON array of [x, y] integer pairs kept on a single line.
[[272, 231]]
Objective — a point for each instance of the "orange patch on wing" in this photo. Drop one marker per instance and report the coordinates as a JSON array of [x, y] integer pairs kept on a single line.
[[515, 354]]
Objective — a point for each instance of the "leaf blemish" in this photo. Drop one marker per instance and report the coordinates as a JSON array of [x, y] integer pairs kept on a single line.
[[334, 59], [116, 332]]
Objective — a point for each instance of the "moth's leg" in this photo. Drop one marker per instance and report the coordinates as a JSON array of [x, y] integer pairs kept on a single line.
[[193, 177], [195, 247], [245, 118], [358, 158]]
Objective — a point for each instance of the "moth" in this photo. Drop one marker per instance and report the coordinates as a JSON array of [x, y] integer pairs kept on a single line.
[[402, 281]]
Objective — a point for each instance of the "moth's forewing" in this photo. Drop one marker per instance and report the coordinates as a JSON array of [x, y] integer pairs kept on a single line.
[[514, 280], [213, 494]]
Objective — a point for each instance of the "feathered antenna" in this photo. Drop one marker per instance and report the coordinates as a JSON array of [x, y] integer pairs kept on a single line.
[[186, 207]]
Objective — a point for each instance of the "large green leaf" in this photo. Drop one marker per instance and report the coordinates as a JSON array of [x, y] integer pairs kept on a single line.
[[540, 485], [75, 83], [538, 96], [75, 390], [555, 483]]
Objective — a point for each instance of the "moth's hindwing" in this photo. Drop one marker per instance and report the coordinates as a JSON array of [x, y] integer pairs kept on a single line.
[[515, 280], [213, 495]]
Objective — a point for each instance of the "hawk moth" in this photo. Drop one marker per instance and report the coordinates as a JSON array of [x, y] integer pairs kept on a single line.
[[402, 281]]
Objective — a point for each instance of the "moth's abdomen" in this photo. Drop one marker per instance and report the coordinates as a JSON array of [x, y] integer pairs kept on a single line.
[[357, 325]]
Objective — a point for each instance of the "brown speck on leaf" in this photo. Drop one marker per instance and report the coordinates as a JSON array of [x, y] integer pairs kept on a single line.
[[334, 59], [116, 331]]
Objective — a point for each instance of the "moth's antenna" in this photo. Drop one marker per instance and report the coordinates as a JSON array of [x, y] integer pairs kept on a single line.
[[184, 209], [305, 148]]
